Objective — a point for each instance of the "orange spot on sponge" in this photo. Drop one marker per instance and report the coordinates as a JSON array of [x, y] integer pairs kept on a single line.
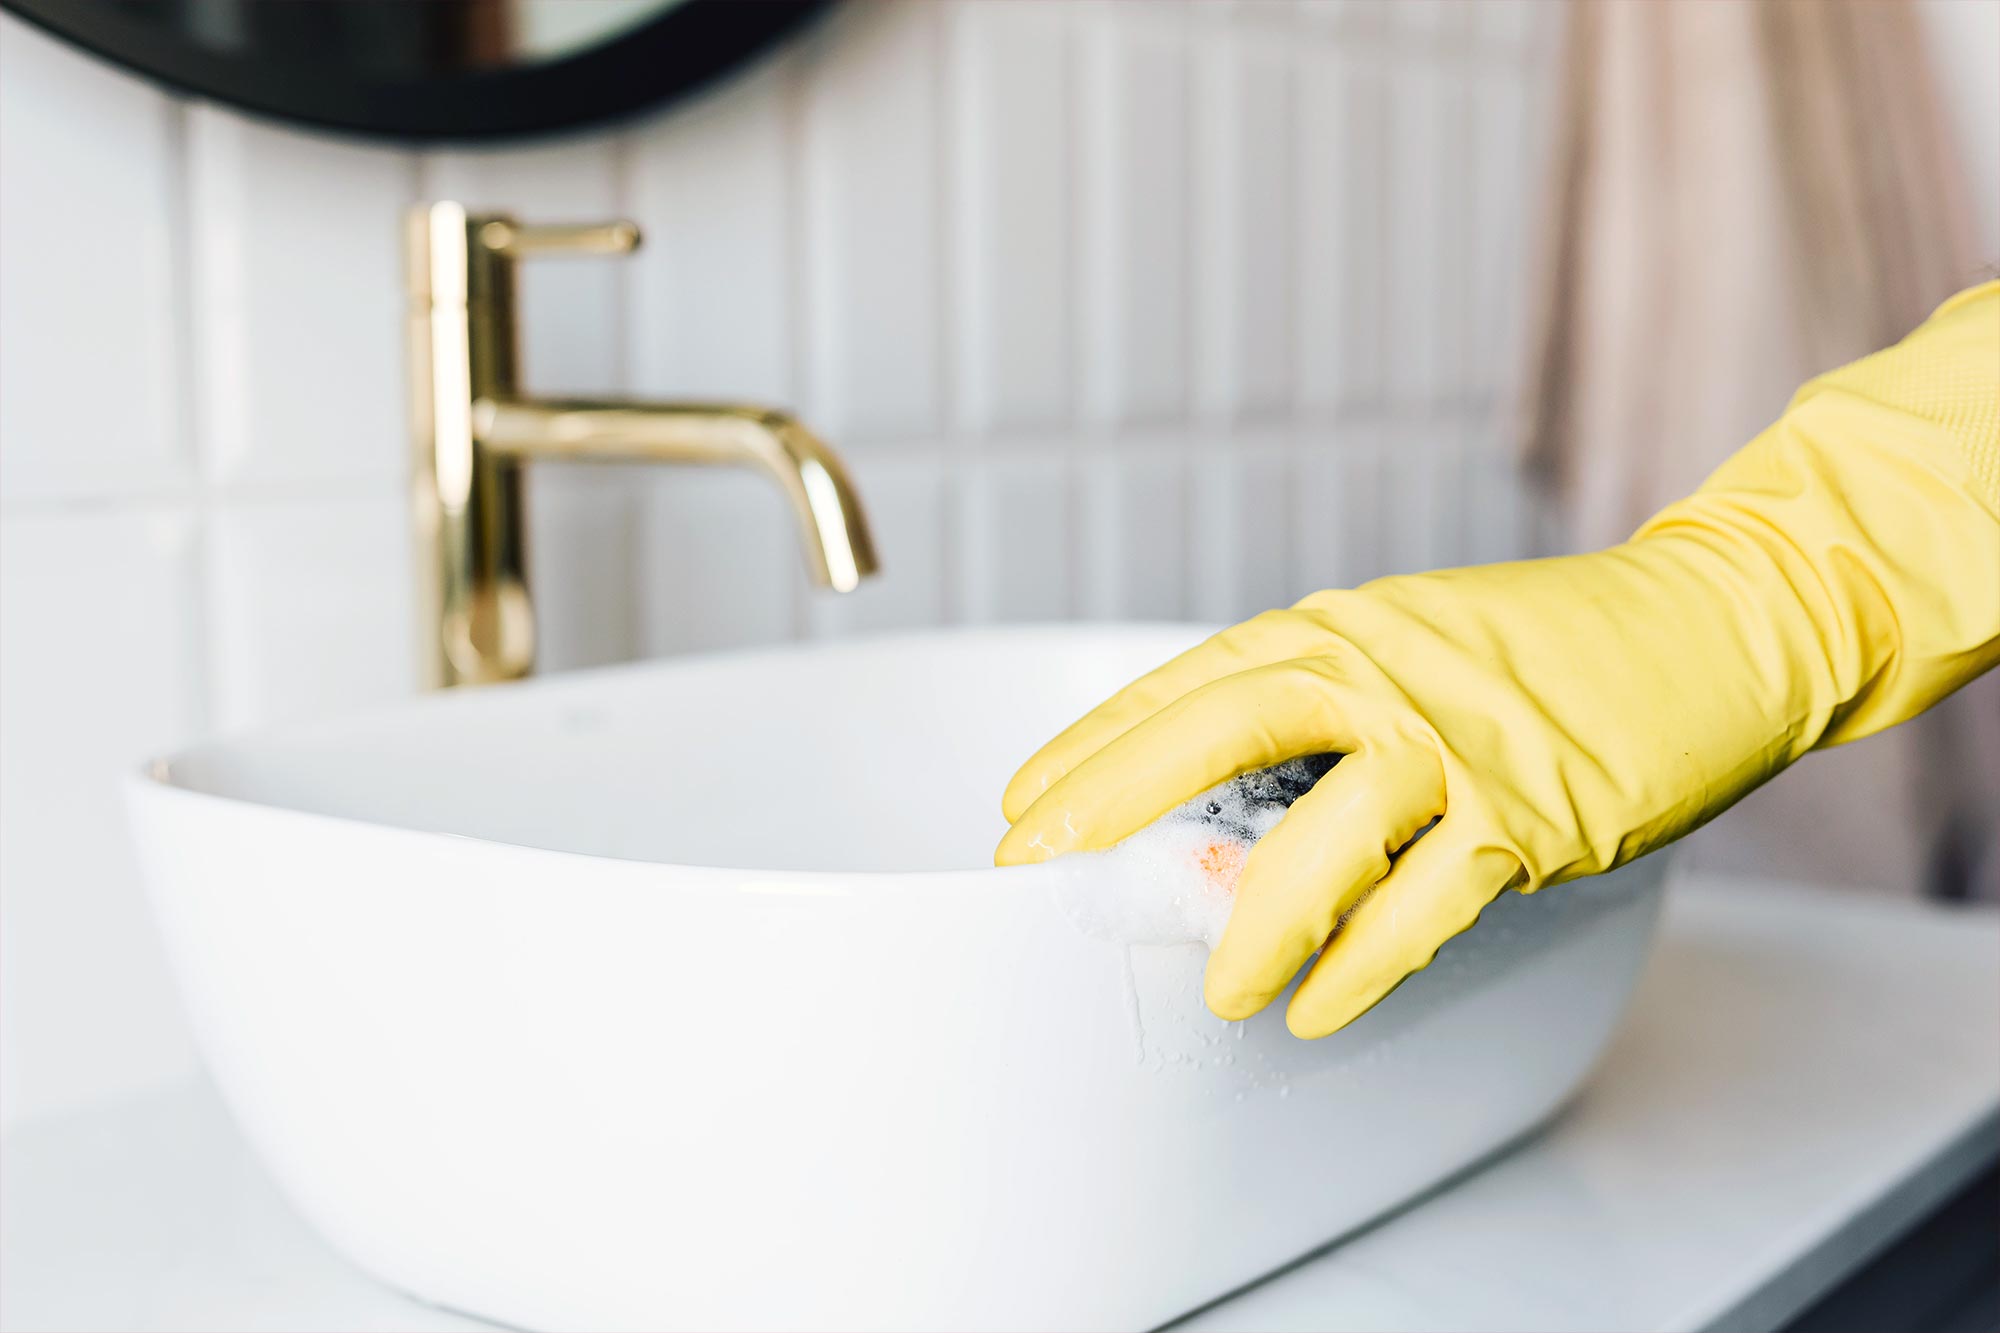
[[1222, 862]]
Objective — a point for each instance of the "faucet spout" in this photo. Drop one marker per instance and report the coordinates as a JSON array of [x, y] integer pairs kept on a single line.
[[839, 549], [476, 429]]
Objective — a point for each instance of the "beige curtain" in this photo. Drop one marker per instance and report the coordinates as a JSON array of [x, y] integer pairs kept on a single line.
[[1744, 193]]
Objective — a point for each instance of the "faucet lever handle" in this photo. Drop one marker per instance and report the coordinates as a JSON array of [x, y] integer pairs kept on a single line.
[[540, 240]]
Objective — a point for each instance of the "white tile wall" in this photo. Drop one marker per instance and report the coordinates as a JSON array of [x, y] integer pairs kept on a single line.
[[1011, 174], [1132, 309], [872, 254], [1132, 528], [1136, 201], [1339, 251], [1426, 154], [101, 656], [1244, 217], [1016, 520], [720, 561], [1336, 509], [310, 604], [1239, 526], [294, 244], [709, 298], [91, 240]]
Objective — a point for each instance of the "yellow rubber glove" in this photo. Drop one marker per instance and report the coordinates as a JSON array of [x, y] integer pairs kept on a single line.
[[1560, 717]]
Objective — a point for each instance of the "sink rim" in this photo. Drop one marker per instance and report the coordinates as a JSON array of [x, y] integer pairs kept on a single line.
[[160, 776]]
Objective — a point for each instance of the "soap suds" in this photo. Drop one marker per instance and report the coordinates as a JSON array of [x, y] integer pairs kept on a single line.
[[1174, 881]]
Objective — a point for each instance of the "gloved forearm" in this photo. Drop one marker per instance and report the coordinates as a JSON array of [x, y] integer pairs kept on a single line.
[[1558, 717], [1876, 500]]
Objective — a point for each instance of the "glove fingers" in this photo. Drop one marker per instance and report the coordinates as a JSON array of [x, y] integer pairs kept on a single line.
[[1436, 890], [1273, 637], [1331, 847], [1250, 720]]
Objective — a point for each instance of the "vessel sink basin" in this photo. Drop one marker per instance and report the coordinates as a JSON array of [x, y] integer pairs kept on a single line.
[[686, 995]]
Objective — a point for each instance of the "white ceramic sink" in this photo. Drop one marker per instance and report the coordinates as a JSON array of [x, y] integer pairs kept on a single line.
[[685, 995]]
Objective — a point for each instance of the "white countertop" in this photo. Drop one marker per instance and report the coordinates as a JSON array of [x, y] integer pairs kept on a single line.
[[1802, 1075]]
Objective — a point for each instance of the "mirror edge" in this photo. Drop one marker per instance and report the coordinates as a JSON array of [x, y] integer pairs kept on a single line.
[[659, 62]]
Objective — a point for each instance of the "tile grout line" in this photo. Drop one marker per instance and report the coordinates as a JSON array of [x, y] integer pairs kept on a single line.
[[189, 366], [948, 447], [631, 509], [953, 304], [799, 300]]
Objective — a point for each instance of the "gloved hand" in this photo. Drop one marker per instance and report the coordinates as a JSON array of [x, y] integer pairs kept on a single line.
[[1560, 717]]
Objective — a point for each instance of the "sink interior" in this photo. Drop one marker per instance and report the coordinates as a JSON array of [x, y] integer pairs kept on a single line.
[[878, 755]]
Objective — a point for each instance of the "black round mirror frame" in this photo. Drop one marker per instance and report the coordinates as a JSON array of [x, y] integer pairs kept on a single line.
[[659, 60]]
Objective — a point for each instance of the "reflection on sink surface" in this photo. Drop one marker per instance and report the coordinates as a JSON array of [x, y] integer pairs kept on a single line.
[[685, 995]]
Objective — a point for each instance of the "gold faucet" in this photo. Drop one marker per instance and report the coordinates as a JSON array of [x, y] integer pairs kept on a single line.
[[475, 432]]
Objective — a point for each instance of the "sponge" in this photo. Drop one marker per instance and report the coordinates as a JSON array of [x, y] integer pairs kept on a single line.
[[1174, 881]]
